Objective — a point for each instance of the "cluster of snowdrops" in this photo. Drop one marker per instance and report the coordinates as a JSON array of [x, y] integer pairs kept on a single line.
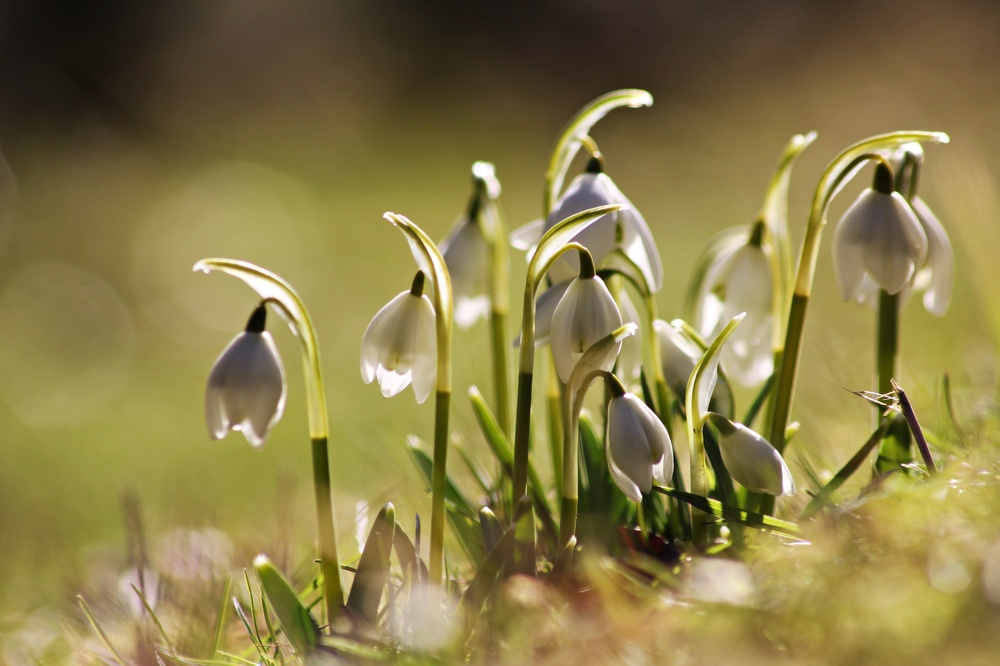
[[589, 313]]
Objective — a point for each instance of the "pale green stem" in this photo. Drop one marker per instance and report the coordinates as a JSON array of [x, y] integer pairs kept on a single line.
[[439, 484], [525, 379], [499, 336], [430, 260], [894, 449], [333, 589], [555, 397]]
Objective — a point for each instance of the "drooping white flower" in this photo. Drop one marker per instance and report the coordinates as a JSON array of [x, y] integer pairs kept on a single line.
[[678, 356], [467, 254], [246, 387], [586, 313], [625, 230], [400, 344], [879, 238], [740, 280], [629, 365], [637, 445], [751, 459]]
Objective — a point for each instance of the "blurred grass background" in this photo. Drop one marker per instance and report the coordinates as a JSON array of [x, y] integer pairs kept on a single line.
[[140, 137]]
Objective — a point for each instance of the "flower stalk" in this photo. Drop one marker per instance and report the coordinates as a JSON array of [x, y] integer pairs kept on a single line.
[[275, 290], [553, 244], [837, 174], [700, 387], [429, 259]]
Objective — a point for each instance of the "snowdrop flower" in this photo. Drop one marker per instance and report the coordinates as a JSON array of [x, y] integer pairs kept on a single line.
[[678, 356], [467, 254], [879, 239], [467, 250], [246, 387], [751, 459], [740, 280], [637, 444], [625, 230], [586, 313], [400, 344]]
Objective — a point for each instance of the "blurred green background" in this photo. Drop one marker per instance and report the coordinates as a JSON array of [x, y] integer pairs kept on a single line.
[[140, 137]]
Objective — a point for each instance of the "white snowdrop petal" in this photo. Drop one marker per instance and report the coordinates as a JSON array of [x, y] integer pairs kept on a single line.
[[246, 388], [754, 462], [628, 487], [628, 446], [586, 313], [400, 342], [678, 356], [940, 266]]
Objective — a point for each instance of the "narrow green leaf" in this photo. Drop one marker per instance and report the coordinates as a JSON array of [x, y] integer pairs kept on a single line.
[[220, 618], [426, 466], [298, 626], [152, 616], [373, 568], [97, 627], [478, 591], [491, 529], [501, 448], [857, 460], [251, 632], [406, 553], [732, 514], [525, 546]]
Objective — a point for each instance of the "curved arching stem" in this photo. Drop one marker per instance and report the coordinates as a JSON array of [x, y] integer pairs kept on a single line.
[[275, 290]]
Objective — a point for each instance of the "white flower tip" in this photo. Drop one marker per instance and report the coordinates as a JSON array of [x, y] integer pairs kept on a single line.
[[261, 560]]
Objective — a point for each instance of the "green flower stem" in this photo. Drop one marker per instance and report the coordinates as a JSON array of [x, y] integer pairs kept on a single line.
[[554, 398], [493, 220], [333, 590], [888, 341], [275, 290], [555, 241], [588, 368], [840, 170], [895, 447], [499, 343], [427, 256], [696, 412], [439, 484]]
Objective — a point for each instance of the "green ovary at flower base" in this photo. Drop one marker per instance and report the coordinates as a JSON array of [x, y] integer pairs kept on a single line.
[[246, 387]]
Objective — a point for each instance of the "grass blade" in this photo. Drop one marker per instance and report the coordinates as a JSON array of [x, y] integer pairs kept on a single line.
[[298, 626], [97, 627], [732, 514]]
